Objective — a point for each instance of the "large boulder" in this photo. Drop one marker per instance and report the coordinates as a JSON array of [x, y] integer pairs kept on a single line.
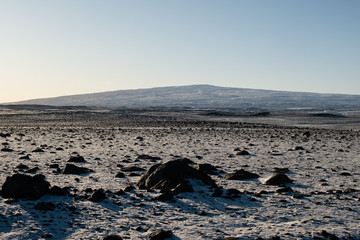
[[172, 176], [25, 186]]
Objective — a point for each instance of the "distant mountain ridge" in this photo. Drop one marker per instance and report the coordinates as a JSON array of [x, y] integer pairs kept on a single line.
[[203, 97]]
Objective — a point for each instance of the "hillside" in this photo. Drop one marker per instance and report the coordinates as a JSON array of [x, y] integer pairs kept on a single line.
[[204, 97]]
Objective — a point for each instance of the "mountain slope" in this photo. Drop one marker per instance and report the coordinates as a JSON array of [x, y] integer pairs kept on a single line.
[[204, 96]]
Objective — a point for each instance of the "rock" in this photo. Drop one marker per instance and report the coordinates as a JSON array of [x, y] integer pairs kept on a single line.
[[284, 190], [58, 191], [165, 197], [299, 148], [129, 188], [278, 179], [345, 174], [329, 236], [281, 170], [97, 196], [132, 169], [160, 235], [72, 169], [112, 237], [306, 134], [243, 153], [5, 135], [45, 206], [206, 168], [169, 175], [120, 175], [22, 166], [240, 175], [77, 159], [38, 150], [7, 149], [147, 157], [25, 186]]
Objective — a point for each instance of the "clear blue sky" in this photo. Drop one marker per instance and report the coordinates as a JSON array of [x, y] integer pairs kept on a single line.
[[63, 47]]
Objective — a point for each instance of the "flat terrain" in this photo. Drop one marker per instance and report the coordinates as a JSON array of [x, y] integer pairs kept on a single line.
[[323, 163]]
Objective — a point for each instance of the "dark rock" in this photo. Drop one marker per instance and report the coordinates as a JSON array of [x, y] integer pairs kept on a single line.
[[45, 206], [278, 179], [284, 190], [5, 135], [77, 159], [281, 170], [232, 192], [134, 174], [54, 166], [47, 235], [165, 197], [97, 196], [240, 175], [38, 150], [345, 174], [206, 168], [72, 169], [160, 235], [25, 186], [147, 157], [306, 134], [243, 153], [7, 150], [329, 236], [169, 175], [129, 188], [120, 192], [132, 169], [26, 157], [120, 175], [112, 237], [58, 191], [22, 166], [183, 187], [298, 148]]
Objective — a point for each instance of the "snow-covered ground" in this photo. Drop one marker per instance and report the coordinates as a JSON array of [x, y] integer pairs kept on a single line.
[[325, 168]]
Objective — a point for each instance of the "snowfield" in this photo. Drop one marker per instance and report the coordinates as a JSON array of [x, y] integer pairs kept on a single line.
[[322, 202]]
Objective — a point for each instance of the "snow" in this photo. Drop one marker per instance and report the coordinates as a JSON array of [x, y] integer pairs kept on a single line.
[[258, 212]]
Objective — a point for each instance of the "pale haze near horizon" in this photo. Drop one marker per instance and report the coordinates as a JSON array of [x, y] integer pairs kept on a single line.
[[55, 48]]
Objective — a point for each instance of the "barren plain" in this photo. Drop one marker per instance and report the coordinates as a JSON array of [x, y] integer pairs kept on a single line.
[[319, 155]]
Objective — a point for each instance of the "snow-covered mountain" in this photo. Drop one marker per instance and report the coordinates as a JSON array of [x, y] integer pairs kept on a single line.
[[204, 97]]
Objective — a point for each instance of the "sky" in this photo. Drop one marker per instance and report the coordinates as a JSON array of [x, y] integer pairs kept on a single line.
[[64, 47]]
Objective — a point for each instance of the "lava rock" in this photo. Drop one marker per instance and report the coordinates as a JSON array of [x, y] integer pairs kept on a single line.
[[132, 169], [97, 196], [169, 175], [160, 235], [206, 168], [240, 175], [77, 159], [58, 191], [112, 237], [120, 175], [278, 179], [25, 186], [72, 169]]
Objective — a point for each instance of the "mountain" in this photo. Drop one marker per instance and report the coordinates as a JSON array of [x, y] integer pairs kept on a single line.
[[204, 97]]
